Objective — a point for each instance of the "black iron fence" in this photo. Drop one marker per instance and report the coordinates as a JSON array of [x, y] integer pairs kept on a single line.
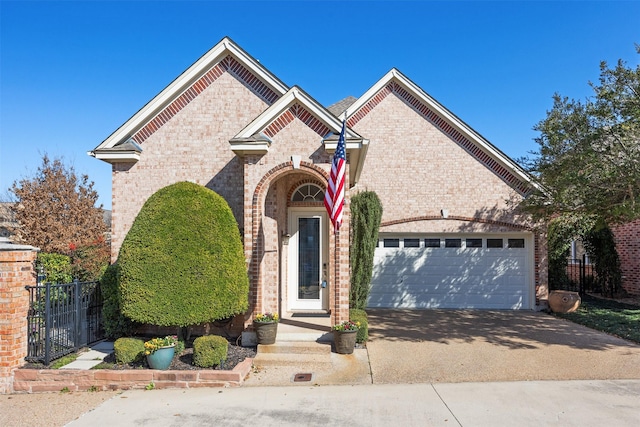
[[576, 275], [62, 318]]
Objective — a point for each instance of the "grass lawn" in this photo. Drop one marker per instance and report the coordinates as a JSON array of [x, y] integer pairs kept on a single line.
[[615, 318]]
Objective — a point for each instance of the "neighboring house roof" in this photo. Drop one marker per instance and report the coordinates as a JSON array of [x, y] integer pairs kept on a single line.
[[125, 143], [256, 137], [485, 152], [8, 222], [341, 106]]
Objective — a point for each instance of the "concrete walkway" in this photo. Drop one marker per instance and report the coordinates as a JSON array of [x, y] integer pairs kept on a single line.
[[558, 403], [93, 357]]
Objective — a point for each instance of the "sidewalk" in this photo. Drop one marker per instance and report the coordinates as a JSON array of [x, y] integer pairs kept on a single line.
[[548, 403]]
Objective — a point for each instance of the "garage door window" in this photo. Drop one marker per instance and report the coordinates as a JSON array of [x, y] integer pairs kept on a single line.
[[391, 243], [431, 243], [494, 243], [411, 243], [452, 243], [515, 243], [474, 243]]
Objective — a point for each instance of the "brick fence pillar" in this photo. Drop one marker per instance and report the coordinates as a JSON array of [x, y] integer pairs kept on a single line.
[[16, 272]]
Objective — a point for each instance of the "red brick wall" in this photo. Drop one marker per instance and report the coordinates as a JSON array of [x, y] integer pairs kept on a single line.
[[54, 380], [627, 238], [16, 272]]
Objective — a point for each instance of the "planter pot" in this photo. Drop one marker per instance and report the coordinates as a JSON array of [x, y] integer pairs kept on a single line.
[[345, 341], [564, 301], [266, 332], [161, 358]]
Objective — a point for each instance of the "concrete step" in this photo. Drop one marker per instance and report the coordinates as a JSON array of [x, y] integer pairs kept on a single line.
[[291, 359], [295, 347], [304, 336]]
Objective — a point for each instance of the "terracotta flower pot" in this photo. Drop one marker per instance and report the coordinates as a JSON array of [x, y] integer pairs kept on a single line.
[[564, 301]]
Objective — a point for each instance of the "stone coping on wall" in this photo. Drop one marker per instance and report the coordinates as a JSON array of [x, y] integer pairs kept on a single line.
[[55, 380]]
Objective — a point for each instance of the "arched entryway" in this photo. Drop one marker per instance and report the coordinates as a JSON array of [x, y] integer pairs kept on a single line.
[[292, 249]]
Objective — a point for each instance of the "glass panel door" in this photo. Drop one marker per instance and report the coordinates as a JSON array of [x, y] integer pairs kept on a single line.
[[309, 258], [307, 284]]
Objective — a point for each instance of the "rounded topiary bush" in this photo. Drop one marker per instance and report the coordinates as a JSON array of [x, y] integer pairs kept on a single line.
[[128, 350], [209, 350], [182, 262]]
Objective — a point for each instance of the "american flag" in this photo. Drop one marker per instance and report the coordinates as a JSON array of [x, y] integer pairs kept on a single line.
[[334, 196]]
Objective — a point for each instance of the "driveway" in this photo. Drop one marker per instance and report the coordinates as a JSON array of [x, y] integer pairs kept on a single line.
[[416, 346]]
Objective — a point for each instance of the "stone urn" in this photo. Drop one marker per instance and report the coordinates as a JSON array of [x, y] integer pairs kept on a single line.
[[345, 341], [564, 301], [266, 332]]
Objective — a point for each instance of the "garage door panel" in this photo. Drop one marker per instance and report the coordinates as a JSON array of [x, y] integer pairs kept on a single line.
[[450, 278]]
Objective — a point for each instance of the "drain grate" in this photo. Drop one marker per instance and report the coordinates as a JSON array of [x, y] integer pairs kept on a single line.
[[297, 378]]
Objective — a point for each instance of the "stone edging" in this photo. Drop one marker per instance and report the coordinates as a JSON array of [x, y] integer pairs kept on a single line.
[[55, 380]]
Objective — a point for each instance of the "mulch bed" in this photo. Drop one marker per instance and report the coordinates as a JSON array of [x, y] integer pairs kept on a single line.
[[182, 362]]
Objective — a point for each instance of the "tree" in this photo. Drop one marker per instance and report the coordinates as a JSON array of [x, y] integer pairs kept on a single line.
[[182, 262], [366, 213], [589, 155], [56, 209]]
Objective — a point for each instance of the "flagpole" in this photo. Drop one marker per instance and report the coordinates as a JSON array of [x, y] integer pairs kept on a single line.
[[334, 199]]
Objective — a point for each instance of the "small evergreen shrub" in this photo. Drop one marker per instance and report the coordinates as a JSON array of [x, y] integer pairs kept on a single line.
[[115, 324], [366, 214], [180, 346], [209, 350], [128, 350], [360, 316], [57, 267]]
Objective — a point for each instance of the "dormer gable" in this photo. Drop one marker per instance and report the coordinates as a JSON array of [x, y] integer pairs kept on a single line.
[[256, 138]]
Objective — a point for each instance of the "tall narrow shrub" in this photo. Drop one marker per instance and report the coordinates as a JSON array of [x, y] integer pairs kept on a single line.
[[366, 213], [182, 262]]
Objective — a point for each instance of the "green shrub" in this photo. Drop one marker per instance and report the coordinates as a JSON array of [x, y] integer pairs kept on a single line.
[[357, 315], [128, 350], [366, 213], [179, 347], [57, 267], [115, 324], [182, 262], [209, 350]]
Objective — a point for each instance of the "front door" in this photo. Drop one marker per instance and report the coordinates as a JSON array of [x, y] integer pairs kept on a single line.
[[307, 261]]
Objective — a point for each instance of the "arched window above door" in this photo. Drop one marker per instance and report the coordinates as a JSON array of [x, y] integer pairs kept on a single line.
[[308, 193]]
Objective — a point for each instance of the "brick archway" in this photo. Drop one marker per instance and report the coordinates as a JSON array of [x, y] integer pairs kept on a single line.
[[255, 244]]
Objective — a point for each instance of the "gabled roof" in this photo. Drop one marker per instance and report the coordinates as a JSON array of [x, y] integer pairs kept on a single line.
[[226, 55], [485, 152], [256, 137]]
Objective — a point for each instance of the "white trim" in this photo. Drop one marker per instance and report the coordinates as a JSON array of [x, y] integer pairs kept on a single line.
[[293, 303], [295, 94]]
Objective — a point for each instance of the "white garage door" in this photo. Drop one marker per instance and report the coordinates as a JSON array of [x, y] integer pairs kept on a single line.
[[453, 271]]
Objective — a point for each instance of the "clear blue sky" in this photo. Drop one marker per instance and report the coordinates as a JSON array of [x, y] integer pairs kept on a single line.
[[73, 72]]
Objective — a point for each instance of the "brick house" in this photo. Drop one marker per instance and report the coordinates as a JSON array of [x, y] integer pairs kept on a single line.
[[627, 237], [448, 237]]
